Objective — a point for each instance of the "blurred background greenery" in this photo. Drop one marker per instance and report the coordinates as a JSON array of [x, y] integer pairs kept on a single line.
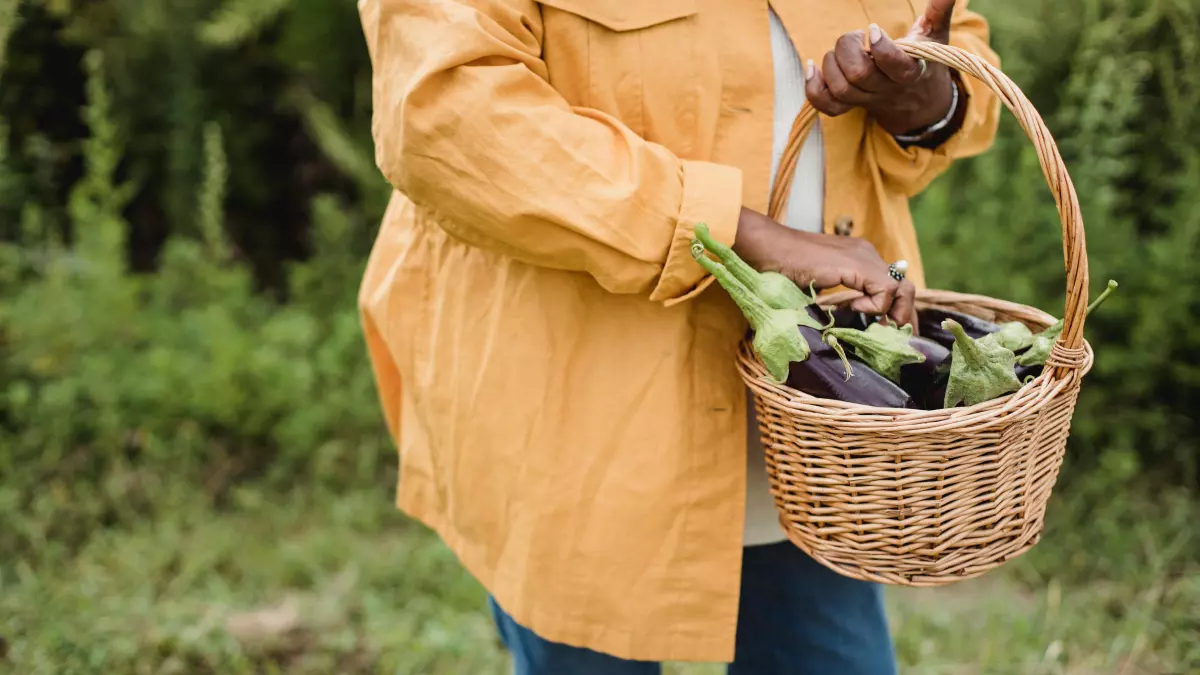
[[194, 475]]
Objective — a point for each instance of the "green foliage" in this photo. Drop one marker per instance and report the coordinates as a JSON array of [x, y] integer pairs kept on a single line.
[[284, 80], [239, 21], [308, 583], [8, 21], [314, 582], [1118, 88], [210, 204], [115, 385]]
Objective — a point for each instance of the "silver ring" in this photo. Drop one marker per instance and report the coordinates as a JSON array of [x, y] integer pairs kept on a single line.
[[898, 269]]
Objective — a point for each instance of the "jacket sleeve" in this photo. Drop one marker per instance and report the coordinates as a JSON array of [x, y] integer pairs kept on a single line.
[[467, 126], [914, 168]]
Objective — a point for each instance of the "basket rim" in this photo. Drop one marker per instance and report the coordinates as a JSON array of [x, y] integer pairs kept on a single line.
[[1031, 395]]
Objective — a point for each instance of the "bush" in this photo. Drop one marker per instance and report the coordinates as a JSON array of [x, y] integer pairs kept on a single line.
[[1118, 88], [176, 311], [289, 81], [118, 388]]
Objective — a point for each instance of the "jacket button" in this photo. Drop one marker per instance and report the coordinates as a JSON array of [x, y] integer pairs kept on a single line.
[[843, 226]]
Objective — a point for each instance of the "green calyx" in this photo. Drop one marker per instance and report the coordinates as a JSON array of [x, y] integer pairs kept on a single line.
[[1039, 348], [884, 348], [775, 289], [777, 339], [779, 344], [980, 370], [1014, 335], [1039, 351]]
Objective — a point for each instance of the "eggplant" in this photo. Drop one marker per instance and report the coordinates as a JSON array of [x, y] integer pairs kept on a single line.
[[910, 361], [935, 395], [847, 318], [824, 375], [790, 344], [884, 347], [1027, 373], [926, 381], [929, 325], [830, 373]]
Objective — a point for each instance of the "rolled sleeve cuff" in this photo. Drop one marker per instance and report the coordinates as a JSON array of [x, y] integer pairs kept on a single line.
[[712, 194], [915, 167]]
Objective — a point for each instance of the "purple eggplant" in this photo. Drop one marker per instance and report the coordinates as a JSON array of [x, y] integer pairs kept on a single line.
[[823, 374], [1027, 373], [929, 324], [884, 347], [789, 342], [926, 381], [844, 317], [915, 378], [893, 351]]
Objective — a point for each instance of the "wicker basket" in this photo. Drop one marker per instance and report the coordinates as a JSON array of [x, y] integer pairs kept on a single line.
[[917, 497]]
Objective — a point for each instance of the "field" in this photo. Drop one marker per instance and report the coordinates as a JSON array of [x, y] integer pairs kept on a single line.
[[312, 582]]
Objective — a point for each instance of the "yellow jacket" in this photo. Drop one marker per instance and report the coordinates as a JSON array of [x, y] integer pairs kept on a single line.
[[562, 392]]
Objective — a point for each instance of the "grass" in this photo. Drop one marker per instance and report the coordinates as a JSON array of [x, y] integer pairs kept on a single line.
[[341, 583]]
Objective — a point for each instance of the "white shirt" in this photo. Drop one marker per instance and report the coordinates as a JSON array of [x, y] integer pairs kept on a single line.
[[804, 212]]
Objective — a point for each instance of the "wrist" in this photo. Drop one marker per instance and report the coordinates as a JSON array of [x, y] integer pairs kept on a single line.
[[933, 136], [927, 107], [765, 244], [926, 132], [752, 237]]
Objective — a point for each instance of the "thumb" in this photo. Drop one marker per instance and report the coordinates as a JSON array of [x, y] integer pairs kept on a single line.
[[934, 24]]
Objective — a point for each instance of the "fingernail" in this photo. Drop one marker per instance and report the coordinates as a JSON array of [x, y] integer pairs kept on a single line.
[[810, 69], [876, 34]]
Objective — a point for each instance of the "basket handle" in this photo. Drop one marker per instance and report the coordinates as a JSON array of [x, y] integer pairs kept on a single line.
[[1068, 353]]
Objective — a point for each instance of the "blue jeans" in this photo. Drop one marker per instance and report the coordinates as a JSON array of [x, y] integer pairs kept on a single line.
[[795, 617]]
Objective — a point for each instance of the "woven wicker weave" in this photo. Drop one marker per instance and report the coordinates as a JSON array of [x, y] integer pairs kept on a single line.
[[925, 498]]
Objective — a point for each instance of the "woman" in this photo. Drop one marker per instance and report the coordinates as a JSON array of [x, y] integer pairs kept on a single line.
[[560, 384]]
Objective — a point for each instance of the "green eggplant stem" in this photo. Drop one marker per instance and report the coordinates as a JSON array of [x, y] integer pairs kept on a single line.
[[776, 290], [1112, 286], [832, 341], [1039, 351], [883, 348], [1056, 328], [751, 305], [970, 351], [736, 266]]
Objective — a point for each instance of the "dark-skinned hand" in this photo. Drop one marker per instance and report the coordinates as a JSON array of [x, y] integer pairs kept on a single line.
[[825, 261], [867, 70]]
